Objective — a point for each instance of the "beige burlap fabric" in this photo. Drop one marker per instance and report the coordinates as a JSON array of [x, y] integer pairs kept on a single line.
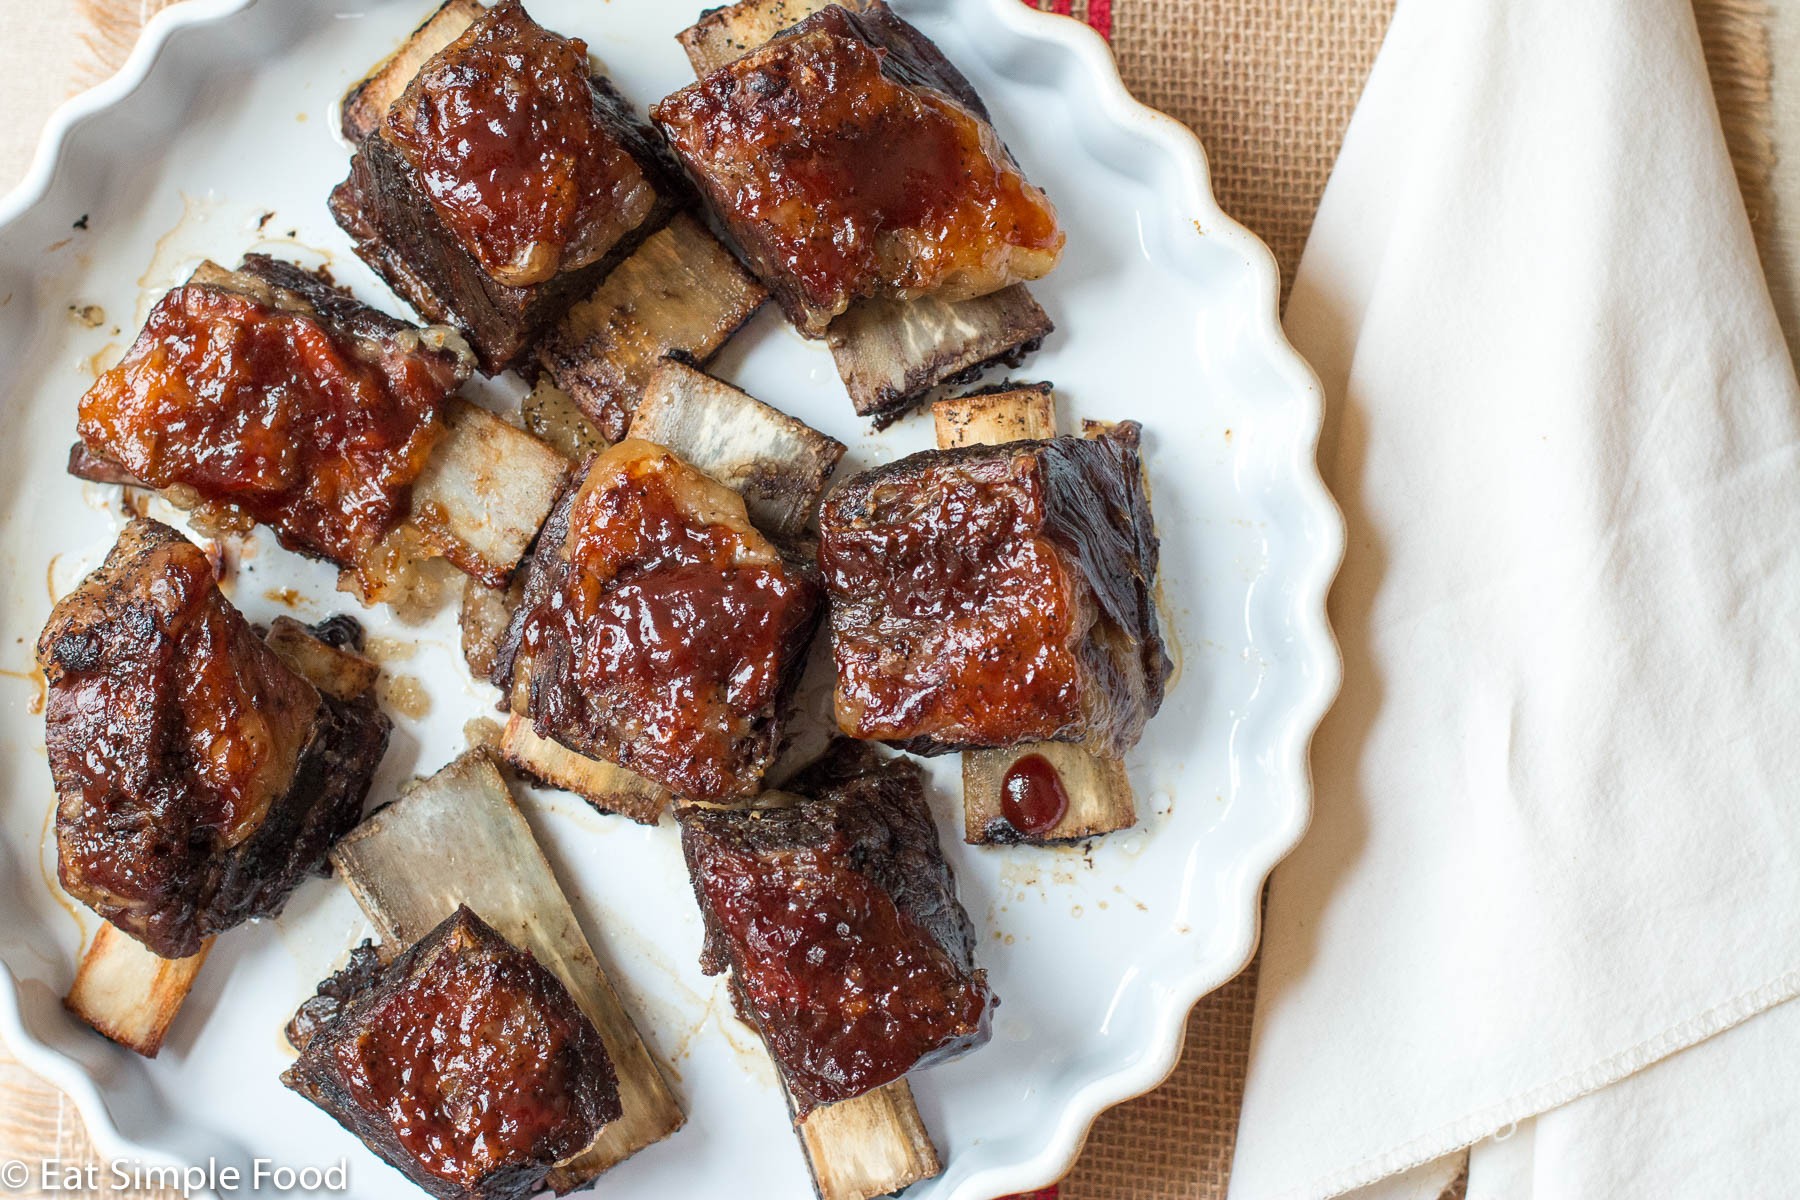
[[1269, 86]]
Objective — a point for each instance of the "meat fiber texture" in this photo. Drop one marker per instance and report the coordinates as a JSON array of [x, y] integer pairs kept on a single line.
[[465, 1064], [847, 159], [837, 917], [994, 595], [199, 778], [504, 184]]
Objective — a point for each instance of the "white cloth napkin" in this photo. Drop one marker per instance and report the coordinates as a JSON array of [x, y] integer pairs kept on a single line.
[[1558, 805], [1721, 1119]]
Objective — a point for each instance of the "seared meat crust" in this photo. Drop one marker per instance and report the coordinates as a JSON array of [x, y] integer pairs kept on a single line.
[[465, 1064], [199, 777], [837, 917], [993, 595]]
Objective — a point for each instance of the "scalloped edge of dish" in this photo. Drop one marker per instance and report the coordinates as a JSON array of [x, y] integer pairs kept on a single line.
[[1314, 690], [1307, 708]]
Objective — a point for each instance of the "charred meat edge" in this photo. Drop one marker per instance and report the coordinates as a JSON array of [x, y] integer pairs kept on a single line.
[[458, 838]]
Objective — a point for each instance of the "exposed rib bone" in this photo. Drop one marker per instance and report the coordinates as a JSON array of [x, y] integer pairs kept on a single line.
[[458, 838], [1099, 790]]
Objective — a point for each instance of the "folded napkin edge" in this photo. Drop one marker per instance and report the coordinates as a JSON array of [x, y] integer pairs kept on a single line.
[[1460, 1134]]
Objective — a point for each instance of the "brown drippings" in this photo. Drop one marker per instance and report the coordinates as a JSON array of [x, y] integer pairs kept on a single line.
[[35, 677], [482, 733], [1171, 630], [387, 649], [47, 838], [407, 696]]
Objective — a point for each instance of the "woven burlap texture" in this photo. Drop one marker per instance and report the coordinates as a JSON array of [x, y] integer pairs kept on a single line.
[[1269, 86]]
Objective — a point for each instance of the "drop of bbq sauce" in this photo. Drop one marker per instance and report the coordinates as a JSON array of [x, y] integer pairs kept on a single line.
[[1032, 798]]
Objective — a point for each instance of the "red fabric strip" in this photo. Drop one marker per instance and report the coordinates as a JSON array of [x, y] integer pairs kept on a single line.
[[1100, 17]]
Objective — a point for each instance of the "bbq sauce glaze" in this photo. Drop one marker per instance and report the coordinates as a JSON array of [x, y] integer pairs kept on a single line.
[[465, 1063], [668, 633], [266, 411], [841, 182], [849, 992], [502, 130], [954, 612], [474, 1068], [171, 729], [994, 596]]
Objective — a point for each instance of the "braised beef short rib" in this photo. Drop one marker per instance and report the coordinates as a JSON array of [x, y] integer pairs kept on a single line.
[[267, 395], [836, 915], [847, 159], [993, 595], [199, 776], [465, 1063], [660, 630], [504, 183]]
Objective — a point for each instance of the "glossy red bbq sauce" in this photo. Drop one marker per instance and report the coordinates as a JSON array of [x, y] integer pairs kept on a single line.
[[953, 613], [201, 690], [473, 1067], [679, 629], [848, 993], [848, 182], [1032, 797], [264, 410], [502, 131], [169, 737]]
